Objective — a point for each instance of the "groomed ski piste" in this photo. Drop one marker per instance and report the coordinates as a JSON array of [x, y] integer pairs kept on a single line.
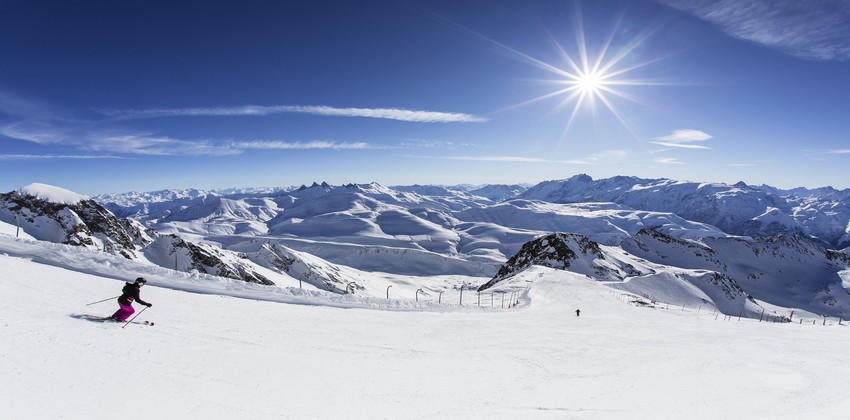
[[223, 349]]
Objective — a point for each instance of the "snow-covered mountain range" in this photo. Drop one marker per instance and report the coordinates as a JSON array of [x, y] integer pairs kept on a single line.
[[736, 275], [737, 209], [741, 249]]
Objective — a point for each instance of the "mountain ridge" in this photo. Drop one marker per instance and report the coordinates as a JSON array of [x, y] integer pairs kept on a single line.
[[325, 235]]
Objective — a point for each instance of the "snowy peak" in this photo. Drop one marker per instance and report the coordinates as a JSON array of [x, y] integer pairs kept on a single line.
[[51, 194], [737, 209], [499, 192], [134, 198], [432, 190], [568, 251], [58, 215], [787, 270]]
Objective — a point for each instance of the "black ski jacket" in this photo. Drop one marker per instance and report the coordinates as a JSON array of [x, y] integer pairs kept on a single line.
[[129, 293]]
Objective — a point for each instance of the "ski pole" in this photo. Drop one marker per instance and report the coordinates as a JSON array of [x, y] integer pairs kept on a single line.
[[89, 304], [134, 317]]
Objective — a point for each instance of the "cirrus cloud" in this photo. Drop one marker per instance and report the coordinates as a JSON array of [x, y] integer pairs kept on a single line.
[[809, 29], [316, 144], [683, 138], [57, 157], [397, 114]]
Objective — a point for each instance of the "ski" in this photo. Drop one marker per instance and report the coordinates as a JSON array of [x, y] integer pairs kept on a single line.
[[131, 322], [106, 319]]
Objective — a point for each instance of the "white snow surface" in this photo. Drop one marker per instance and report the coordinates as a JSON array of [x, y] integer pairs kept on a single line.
[[224, 349], [12, 230], [52, 194]]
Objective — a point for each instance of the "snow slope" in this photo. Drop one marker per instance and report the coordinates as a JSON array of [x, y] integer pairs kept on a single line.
[[212, 356], [424, 220], [52, 194], [12, 230], [736, 209]]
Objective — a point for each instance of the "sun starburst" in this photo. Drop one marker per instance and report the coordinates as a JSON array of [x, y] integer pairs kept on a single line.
[[588, 78], [590, 82]]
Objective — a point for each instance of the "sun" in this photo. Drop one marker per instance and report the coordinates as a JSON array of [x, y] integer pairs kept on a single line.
[[586, 81], [590, 83], [589, 77]]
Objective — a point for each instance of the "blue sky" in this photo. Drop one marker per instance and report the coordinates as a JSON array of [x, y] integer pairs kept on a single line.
[[106, 96]]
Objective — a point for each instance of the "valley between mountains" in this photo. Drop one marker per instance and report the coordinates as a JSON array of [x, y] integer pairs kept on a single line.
[[743, 250]]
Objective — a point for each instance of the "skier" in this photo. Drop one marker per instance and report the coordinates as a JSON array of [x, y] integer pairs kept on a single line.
[[129, 293], [578, 311]]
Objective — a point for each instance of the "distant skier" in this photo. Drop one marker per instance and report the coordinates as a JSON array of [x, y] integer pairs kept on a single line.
[[129, 293], [578, 312]]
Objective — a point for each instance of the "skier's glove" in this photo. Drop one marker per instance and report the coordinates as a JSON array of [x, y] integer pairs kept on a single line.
[[150, 304]]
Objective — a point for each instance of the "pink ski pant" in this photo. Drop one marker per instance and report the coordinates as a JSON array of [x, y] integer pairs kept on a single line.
[[123, 313]]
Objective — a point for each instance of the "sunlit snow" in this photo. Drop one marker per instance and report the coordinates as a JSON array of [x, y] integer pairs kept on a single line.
[[52, 194], [340, 356]]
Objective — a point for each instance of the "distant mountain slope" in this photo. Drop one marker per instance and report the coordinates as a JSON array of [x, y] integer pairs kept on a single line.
[[605, 223], [499, 192], [493, 192], [736, 209], [52, 214], [732, 274], [578, 254], [328, 236], [469, 233], [788, 271], [463, 230]]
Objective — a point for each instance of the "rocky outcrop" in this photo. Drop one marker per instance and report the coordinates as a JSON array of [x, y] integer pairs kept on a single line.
[[174, 252], [567, 251], [82, 223]]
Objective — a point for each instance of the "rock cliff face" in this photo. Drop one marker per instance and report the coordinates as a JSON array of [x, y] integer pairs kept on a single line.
[[568, 251], [304, 267], [174, 252], [786, 270], [733, 273], [82, 223]]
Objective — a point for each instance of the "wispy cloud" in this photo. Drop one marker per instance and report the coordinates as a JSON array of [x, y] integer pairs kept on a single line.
[[827, 152], [129, 142], [435, 144], [153, 145], [669, 161], [38, 123], [147, 144], [498, 159], [23, 107], [817, 30], [683, 138], [600, 158], [255, 110], [318, 144], [680, 145], [593, 159], [49, 157], [35, 131]]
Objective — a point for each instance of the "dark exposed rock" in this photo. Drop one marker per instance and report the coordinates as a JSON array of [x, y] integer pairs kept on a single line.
[[562, 251], [84, 223], [210, 260]]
